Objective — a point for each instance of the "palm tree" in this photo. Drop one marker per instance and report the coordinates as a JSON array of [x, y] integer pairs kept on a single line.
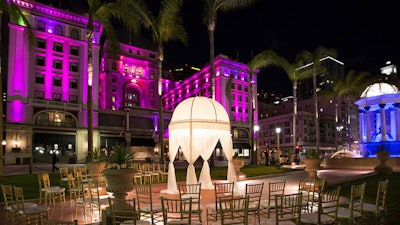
[[314, 60], [269, 59], [105, 13], [9, 8], [352, 85], [210, 11], [165, 27]]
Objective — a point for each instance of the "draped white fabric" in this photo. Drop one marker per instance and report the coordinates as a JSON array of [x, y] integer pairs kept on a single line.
[[196, 126], [228, 150], [209, 143], [172, 187]]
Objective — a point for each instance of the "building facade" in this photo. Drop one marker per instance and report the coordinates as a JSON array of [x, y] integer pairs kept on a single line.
[[47, 94]]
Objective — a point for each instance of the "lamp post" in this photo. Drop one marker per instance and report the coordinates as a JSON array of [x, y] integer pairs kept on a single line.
[[278, 131]]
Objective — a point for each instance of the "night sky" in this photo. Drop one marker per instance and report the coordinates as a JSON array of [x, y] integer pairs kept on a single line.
[[365, 34]]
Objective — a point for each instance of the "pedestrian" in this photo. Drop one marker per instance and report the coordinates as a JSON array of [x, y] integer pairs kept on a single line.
[[54, 161], [266, 157]]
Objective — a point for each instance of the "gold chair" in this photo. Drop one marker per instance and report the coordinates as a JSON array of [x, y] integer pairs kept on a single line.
[[56, 222], [98, 202], [379, 208], [146, 207], [63, 176], [328, 202], [221, 190], [274, 188], [353, 213], [50, 193], [177, 211], [288, 210], [254, 192], [163, 172], [192, 191], [32, 214], [82, 199], [127, 215], [233, 211]]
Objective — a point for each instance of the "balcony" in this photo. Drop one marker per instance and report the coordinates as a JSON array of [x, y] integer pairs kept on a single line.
[[66, 106]]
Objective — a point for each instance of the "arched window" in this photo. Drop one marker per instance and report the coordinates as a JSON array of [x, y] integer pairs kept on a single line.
[[41, 25], [58, 29], [55, 119], [75, 34]]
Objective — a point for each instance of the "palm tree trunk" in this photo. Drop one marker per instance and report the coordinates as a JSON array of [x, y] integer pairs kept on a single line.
[[2, 102], [160, 107], [348, 122], [90, 35], [316, 112], [212, 69], [294, 116]]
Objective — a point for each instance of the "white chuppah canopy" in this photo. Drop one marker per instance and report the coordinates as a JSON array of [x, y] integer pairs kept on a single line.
[[196, 126]]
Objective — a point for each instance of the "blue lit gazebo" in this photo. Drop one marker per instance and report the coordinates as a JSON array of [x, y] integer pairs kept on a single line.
[[379, 115]]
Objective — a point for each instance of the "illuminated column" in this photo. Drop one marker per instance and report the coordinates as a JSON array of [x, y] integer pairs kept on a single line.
[[397, 120], [392, 117], [383, 121], [362, 125], [367, 124]]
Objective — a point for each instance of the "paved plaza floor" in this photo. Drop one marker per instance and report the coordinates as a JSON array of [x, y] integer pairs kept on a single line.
[[64, 211]]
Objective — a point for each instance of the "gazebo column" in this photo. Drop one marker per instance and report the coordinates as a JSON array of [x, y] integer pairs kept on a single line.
[[367, 124], [397, 120], [383, 121], [361, 116]]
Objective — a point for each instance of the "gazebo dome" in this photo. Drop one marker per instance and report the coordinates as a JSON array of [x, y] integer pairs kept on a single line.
[[379, 89], [200, 109]]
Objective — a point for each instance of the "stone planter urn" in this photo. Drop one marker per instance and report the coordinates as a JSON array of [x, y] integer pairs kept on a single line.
[[312, 166], [119, 182], [383, 168], [239, 163]]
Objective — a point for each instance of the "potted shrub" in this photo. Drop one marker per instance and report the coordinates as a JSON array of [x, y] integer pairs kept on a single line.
[[312, 163], [119, 175], [97, 164]]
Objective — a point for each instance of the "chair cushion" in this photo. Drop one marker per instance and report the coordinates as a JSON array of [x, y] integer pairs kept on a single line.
[[345, 213]]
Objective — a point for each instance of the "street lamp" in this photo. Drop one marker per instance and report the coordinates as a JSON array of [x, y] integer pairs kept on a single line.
[[278, 131]]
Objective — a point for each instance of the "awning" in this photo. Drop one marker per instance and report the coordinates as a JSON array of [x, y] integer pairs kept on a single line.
[[143, 142], [241, 145]]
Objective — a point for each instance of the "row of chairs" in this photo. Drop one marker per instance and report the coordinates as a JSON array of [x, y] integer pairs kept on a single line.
[[313, 203], [19, 210], [148, 173]]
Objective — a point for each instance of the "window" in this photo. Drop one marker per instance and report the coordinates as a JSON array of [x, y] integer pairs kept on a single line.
[[152, 75], [114, 89], [113, 98], [41, 25], [39, 94], [74, 50], [56, 96], [58, 47], [39, 78], [58, 29], [57, 81], [73, 84], [57, 64], [73, 99], [75, 34], [73, 66], [239, 87], [40, 61], [41, 43], [114, 66]]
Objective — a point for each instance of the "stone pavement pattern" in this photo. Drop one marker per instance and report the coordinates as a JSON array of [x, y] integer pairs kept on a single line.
[[64, 211]]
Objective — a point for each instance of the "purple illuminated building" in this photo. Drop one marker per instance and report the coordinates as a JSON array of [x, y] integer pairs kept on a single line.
[[46, 92]]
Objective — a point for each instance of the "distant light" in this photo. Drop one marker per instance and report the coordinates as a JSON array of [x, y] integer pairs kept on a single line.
[[195, 68], [49, 31]]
